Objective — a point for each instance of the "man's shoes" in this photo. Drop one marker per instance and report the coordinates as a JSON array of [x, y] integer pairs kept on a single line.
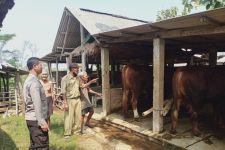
[[89, 125], [67, 137]]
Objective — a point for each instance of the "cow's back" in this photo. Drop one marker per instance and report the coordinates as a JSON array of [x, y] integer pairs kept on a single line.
[[199, 84], [135, 77]]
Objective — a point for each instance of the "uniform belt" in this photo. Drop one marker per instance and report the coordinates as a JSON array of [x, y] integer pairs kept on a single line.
[[74, 97]]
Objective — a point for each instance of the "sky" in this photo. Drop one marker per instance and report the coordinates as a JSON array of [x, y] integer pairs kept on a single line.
[[37, 21]]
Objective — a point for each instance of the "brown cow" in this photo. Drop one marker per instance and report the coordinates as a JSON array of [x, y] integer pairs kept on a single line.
[[138, 80], [195, 86]]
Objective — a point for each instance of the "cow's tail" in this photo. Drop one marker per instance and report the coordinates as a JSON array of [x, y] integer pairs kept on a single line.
[[125, 94]]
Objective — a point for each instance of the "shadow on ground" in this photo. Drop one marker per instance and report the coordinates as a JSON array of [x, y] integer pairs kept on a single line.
[[57, 128], [6, 141], [62, 148]]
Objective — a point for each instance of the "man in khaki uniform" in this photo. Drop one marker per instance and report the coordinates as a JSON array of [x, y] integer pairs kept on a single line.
[[70, 86]]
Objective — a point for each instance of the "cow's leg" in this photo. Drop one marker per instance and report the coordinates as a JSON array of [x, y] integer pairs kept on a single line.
[[194, 121], [194, 118], [174, 115], [134, 103], [125, 102]]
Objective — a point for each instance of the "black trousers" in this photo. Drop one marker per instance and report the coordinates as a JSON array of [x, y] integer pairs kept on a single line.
[[38, 138]]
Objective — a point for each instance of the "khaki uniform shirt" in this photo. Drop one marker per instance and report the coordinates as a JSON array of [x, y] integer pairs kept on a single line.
[[70, 86]]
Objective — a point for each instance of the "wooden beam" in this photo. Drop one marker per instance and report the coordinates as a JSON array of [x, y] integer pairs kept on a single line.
[[65, 37], [57, 73], [130, 33], [156, 28], [105, 81], [171, 34], [210, 20], [158, 83]]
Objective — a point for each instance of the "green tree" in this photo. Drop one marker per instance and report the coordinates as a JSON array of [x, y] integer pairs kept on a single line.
[[167, 13], [209, 4], [12, 57], [3, 40]]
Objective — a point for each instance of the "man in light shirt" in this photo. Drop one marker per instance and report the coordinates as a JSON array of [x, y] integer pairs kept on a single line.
[[36, 107], [47, 84]]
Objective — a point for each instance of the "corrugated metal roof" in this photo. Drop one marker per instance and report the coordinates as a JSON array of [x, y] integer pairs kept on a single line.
[[93, 22], [181, 32], [212, 18], [97, 22], [8, 68]]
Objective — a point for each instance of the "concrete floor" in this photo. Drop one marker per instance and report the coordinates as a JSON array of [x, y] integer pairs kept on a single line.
[[107, 137], [210, 139]]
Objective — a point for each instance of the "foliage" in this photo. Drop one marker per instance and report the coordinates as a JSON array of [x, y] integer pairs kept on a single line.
[[12, 57], [167, 13], [6, 37], [17, 58], [188, 6], [3, 40], [209, 4], [14, 134]]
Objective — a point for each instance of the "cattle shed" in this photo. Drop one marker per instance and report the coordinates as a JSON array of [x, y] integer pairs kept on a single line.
[[74, 36], [166, 42], [11, 88]]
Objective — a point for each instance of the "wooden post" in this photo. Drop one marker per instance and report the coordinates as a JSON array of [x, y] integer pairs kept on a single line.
[[7, 82], [4, 84], [98, 73], [212, 57], [112, 74], [67, 63], [16, 92], [105, 80], [158, 83], [0, 84], [20, 93], [82, 39], [17, 105], [70, 58], [57, 73], [50, 70]]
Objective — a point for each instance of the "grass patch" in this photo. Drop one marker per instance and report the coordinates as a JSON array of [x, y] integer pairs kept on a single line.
[[14, 134]]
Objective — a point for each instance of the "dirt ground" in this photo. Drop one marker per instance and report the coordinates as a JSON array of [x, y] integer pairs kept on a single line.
[[106, 137]]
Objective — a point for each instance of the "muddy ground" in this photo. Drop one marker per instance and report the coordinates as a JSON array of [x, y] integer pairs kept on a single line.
[[107, 137]]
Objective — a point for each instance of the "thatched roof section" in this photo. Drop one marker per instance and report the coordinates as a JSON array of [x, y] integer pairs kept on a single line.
[[91, 49]]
